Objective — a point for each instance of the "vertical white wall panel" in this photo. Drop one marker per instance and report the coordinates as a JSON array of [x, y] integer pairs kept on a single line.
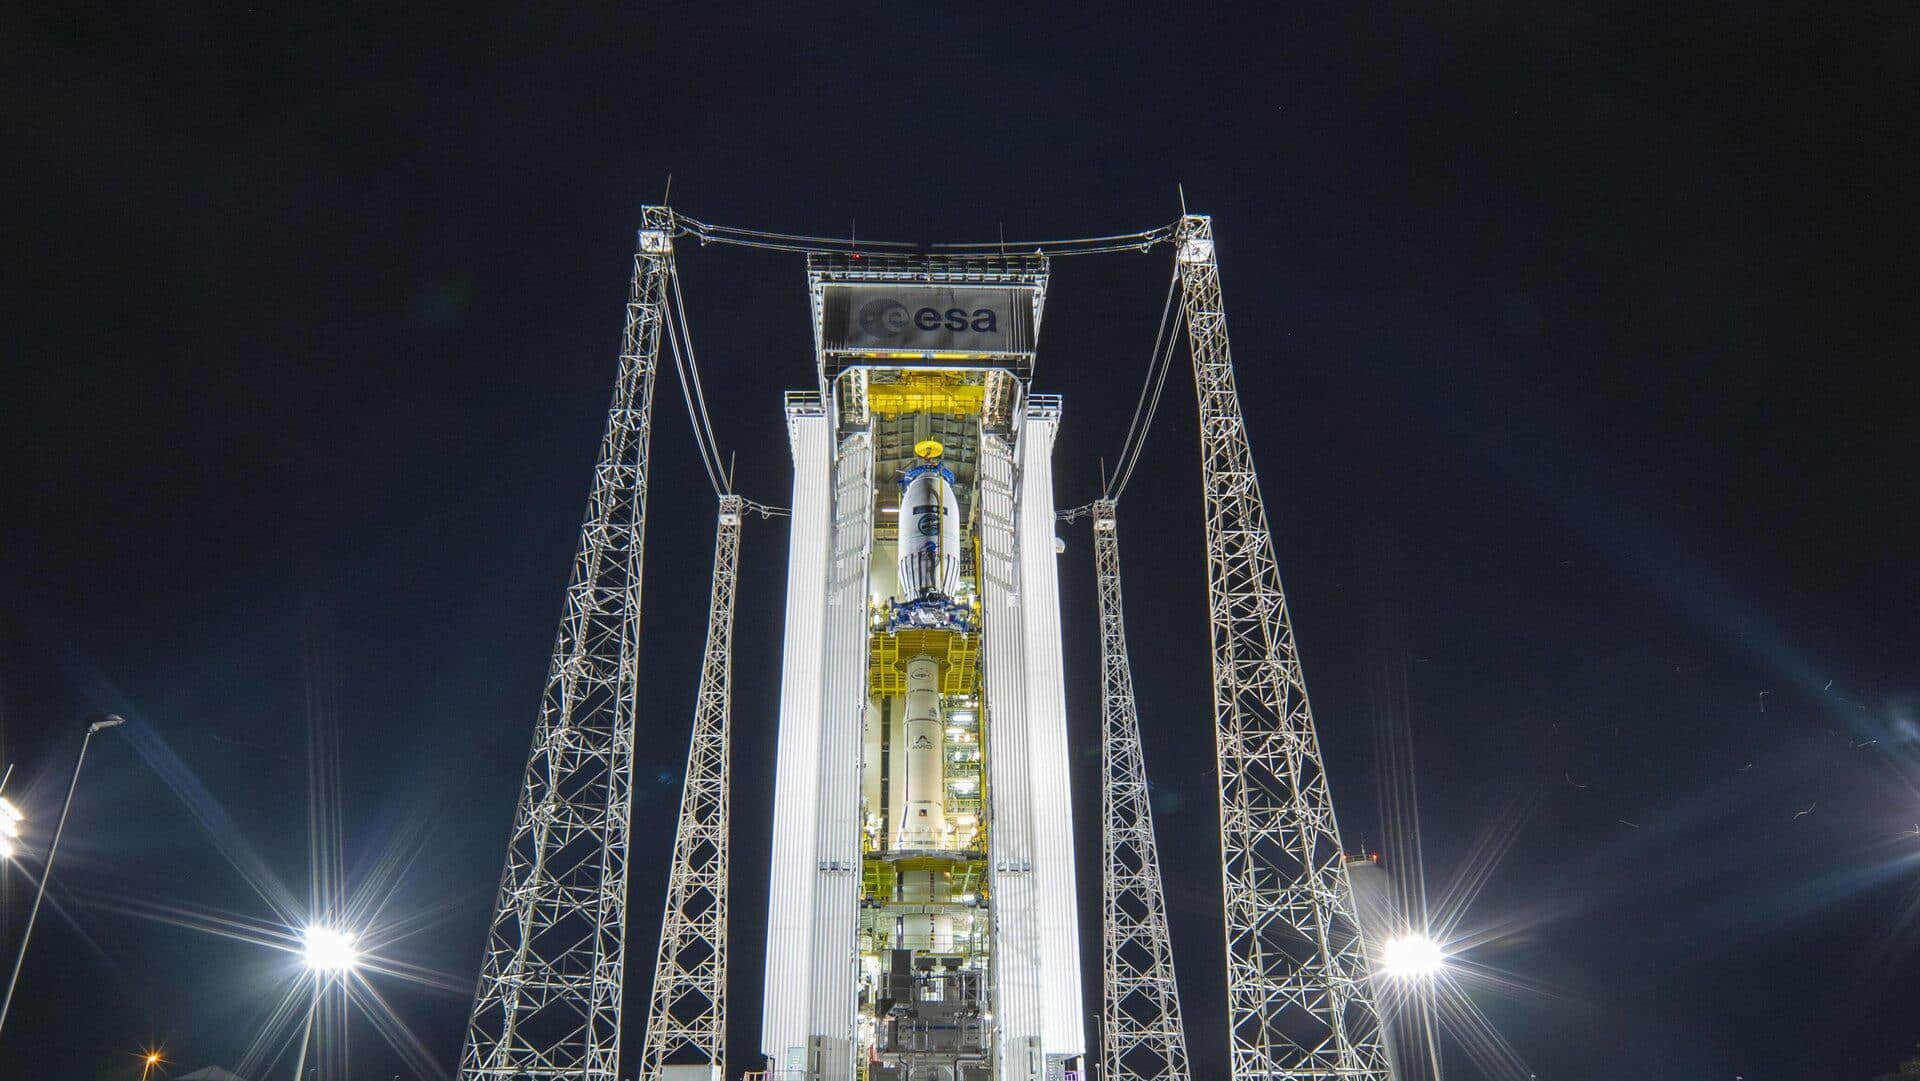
[[842, 707], [1016, 933], [870, 742], [1064, 1028], [783, 1026]]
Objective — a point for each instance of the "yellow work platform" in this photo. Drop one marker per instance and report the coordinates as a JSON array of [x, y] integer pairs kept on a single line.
[[877, 876], [926, 392], [958, 653]]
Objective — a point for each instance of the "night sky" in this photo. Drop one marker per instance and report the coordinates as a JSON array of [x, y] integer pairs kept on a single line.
[[1576, 347]]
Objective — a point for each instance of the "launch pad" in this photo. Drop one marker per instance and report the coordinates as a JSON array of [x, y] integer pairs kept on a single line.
[[923, 921]]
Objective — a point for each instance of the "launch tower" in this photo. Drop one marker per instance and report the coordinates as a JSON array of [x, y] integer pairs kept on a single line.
[[922, 922], [922, 823]]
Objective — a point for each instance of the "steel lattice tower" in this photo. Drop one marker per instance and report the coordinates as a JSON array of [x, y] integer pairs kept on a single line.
[[687, 1014], [1142, 1036], [1298, 1001], [548, 1002]]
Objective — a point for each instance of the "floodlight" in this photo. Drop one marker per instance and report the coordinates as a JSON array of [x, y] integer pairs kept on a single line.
[[10, 818], [1412, 956], [327, 949]]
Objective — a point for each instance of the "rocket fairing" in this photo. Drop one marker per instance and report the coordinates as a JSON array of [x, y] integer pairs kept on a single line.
[[929, 532], [922, 848]]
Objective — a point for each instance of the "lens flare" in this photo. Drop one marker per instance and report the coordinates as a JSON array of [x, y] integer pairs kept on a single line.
[[329, 950], [10, 819], [1412, 956]]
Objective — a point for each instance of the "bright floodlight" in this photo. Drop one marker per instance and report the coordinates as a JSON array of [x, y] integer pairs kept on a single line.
[[10, 818], [329, 950], [1412, 956]]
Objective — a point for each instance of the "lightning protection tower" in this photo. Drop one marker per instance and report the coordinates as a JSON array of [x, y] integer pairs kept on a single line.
[[687, 1011], [1142, 1037], [922, 922], [1298, 1002], [548, 1002]]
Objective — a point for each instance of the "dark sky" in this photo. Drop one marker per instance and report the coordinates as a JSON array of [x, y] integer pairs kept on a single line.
[[1576, 346]]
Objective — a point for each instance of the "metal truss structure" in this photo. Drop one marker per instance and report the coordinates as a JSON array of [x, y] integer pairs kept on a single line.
[[548, 1002], [687, 1014], [1142, 1036], [1298, 1002]]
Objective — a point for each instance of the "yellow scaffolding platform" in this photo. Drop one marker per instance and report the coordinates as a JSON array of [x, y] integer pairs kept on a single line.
[[958, 653], [926, 392]]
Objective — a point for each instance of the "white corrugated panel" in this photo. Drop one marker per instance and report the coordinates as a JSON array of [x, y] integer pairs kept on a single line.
[[1064, 1029], [843, 708], [783, 1025], [1016, 942]]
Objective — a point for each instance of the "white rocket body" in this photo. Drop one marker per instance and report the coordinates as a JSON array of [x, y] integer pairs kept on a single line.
[[929, 534], [924, 822]]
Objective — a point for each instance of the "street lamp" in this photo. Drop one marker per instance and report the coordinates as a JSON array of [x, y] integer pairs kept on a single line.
[[96, 723], [150, 1060]]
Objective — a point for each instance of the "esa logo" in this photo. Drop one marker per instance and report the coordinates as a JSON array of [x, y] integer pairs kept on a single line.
[[887, 318], [926, 518], [883, 318], [978, 321]]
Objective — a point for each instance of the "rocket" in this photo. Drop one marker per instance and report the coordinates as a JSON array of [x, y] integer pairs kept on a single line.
[[929, 527]]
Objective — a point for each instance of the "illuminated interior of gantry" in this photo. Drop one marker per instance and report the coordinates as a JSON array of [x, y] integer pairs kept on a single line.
[[928, 825]]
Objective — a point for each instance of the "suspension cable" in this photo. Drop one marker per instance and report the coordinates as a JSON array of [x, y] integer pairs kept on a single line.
[[709, 233], [1164, 341], [700, 442], [682, 353], [693, 365], [1153, 406], [693, 394], [1137, 241], [1140, 404], [687, 368]]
